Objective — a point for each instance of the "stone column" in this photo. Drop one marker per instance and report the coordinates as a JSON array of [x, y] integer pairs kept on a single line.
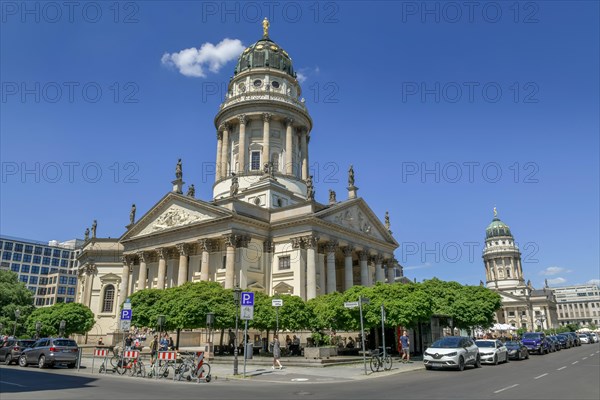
[[218, 174], [143, 271], [348, 273], [266, 138], [225, 151], [391, 275], [311, 266], [379, 272], [242, 144], [125, 277], [304, 153], [230, 242], [204, 245], [162, 267], [331, 281], [90, 271], [268, 247], [321, 266], [288, 147], [363, 257], [182, 272]]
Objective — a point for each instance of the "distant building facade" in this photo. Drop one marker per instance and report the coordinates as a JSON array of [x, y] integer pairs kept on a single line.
[[48, 269], [578, 304], [522, 305]]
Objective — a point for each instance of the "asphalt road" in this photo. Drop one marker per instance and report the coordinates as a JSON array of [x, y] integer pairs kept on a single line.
[[568, 374]]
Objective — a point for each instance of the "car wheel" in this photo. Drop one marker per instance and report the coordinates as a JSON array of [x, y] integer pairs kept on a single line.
[[428, 367], [478, 362], [461, 364], [505, 357], [496, 359], [8, 359], [527, 355], [42, 361], [72, 365], [22, 361]]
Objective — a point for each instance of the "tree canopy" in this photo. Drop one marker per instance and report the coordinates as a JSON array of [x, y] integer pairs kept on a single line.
[[14, 296], [78, 319]]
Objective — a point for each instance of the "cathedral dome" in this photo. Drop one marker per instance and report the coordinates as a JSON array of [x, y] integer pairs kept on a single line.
[[497, 228], [265, 54]]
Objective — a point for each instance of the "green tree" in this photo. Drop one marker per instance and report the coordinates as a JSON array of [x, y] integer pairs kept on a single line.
[[143, 302], [14, 295], [474, 306], [78, 319]]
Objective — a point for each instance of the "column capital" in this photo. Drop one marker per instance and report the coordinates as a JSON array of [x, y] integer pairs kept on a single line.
[[267, 117], [183, 248], [142, 256], [268, 246], [230, 240], [90, 269], [348, 250], [331, 245], [243, 240], [204, 244], [242, 119], [127, 259], [297, 243], [363, 255], [289, 121], [224, 127], [310, 241], [219, 135], [162, 253], [377, 259]]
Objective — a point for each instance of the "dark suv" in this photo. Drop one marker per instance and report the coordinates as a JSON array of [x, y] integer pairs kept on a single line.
[[536, 342], [50, 351], [12, 348]]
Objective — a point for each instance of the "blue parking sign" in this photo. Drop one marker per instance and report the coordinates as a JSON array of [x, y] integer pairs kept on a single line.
[[247, 298], [125, 315]]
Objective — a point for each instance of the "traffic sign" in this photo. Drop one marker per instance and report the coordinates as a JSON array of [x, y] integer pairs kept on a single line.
[[247, 298], [126, 315], [247, 312], [277, 302], [127, 304], [351, 304], [125, 324]]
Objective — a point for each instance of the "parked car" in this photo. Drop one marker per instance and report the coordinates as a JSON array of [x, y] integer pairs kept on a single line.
[[566, 341], [554, 343], [12, 348], [50, 351], [492, 351], [536, 342], [576, 340], [595, 337], [516, 350], [452, 352], [583, 338]]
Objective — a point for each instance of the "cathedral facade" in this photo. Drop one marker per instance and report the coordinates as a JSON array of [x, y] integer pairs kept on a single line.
[[522, 305]]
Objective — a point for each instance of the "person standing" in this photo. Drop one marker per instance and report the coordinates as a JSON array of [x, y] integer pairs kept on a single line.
[[128, 342], [276, 353], [405, 341], [154, 348]]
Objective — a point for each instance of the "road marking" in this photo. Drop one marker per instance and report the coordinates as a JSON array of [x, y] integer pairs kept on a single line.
[[592, 355], [541, 376], [574, 362], [299, 379], [584, 358], [10, 383], [506, 388], [561, 368]]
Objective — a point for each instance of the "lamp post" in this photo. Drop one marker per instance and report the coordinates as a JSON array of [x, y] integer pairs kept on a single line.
[[17, 315], [38, 327], [237, 293], [62, 326], [160, 322], [210, 321]]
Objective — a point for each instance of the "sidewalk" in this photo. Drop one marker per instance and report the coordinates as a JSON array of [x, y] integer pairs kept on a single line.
[[295, 370]]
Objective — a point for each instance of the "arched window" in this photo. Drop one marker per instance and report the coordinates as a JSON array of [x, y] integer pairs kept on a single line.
[[108, 299]]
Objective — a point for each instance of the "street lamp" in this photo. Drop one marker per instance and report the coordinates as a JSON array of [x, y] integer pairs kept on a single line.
[[160, 322], [17, 315], [62, 325], [237, 294], [38, 327]]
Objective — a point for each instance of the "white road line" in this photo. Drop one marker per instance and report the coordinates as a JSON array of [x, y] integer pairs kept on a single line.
[[574, 362], [541, 376], [10, 383], [561, 368], [506, 388], [584, 358], [592, 355]]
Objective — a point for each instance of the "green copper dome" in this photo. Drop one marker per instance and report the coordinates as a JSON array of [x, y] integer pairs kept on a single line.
[[497, 228], [265, 54]]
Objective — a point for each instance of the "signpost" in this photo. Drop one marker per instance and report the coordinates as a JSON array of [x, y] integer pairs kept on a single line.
[[351, 304], [247, 313], [126, 314], [361, 301], [277, 303], [383, 328]]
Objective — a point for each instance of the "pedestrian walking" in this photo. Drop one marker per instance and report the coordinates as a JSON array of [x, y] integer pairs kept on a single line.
[[128, 342], [276, 353], [154, 348], [405, 341]]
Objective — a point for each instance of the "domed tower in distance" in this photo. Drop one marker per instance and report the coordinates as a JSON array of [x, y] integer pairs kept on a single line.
[[263, 130], [501, 256]]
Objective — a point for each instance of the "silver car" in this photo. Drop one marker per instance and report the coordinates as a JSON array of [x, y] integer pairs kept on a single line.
[[452, 352], [50, 351]]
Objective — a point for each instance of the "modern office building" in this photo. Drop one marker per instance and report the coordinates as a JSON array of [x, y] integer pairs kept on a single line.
[[578, 304], [48, 269]]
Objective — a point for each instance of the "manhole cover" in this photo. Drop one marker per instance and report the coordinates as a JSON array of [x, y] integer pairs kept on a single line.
[[299, 379]]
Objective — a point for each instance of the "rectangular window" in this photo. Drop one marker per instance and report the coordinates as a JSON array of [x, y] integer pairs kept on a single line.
[[28, 248], [18, 247], [48, 252], [71, 291], [56, 253], [44, 270], [53, 270], [37, 259], [25, 268], [17, 256], [70, 300], [511, 313], [27, 257], [15, 267], [24, 278], [55, 262], [255, 161], [62, 280], [60, 299], [8, 246], [38, 250], [65, 254], [46, 261], [6, 255], [33, 280], [62, 290], [39, 302], [43, 281], [72, 281], [64, 263], [35, 269], [284, 262]]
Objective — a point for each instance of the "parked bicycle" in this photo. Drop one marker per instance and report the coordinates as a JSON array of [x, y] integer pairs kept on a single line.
[[193, 367], [380, 361]]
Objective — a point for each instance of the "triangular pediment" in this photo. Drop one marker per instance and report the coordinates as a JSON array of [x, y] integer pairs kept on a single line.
[[355, 215], [172, 212]]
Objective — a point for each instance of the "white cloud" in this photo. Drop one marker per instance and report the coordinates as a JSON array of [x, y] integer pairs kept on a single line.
[[304, 73], [553, 271], [426, 265], [593, 282], [301, 77], [556, 281], [194, 62]]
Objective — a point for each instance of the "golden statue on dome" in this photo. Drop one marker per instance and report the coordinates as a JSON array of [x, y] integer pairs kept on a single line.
[[266, 26], [495, 212]]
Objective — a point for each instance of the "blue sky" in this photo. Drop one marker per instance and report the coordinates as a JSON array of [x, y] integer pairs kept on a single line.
[[444, 110]]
